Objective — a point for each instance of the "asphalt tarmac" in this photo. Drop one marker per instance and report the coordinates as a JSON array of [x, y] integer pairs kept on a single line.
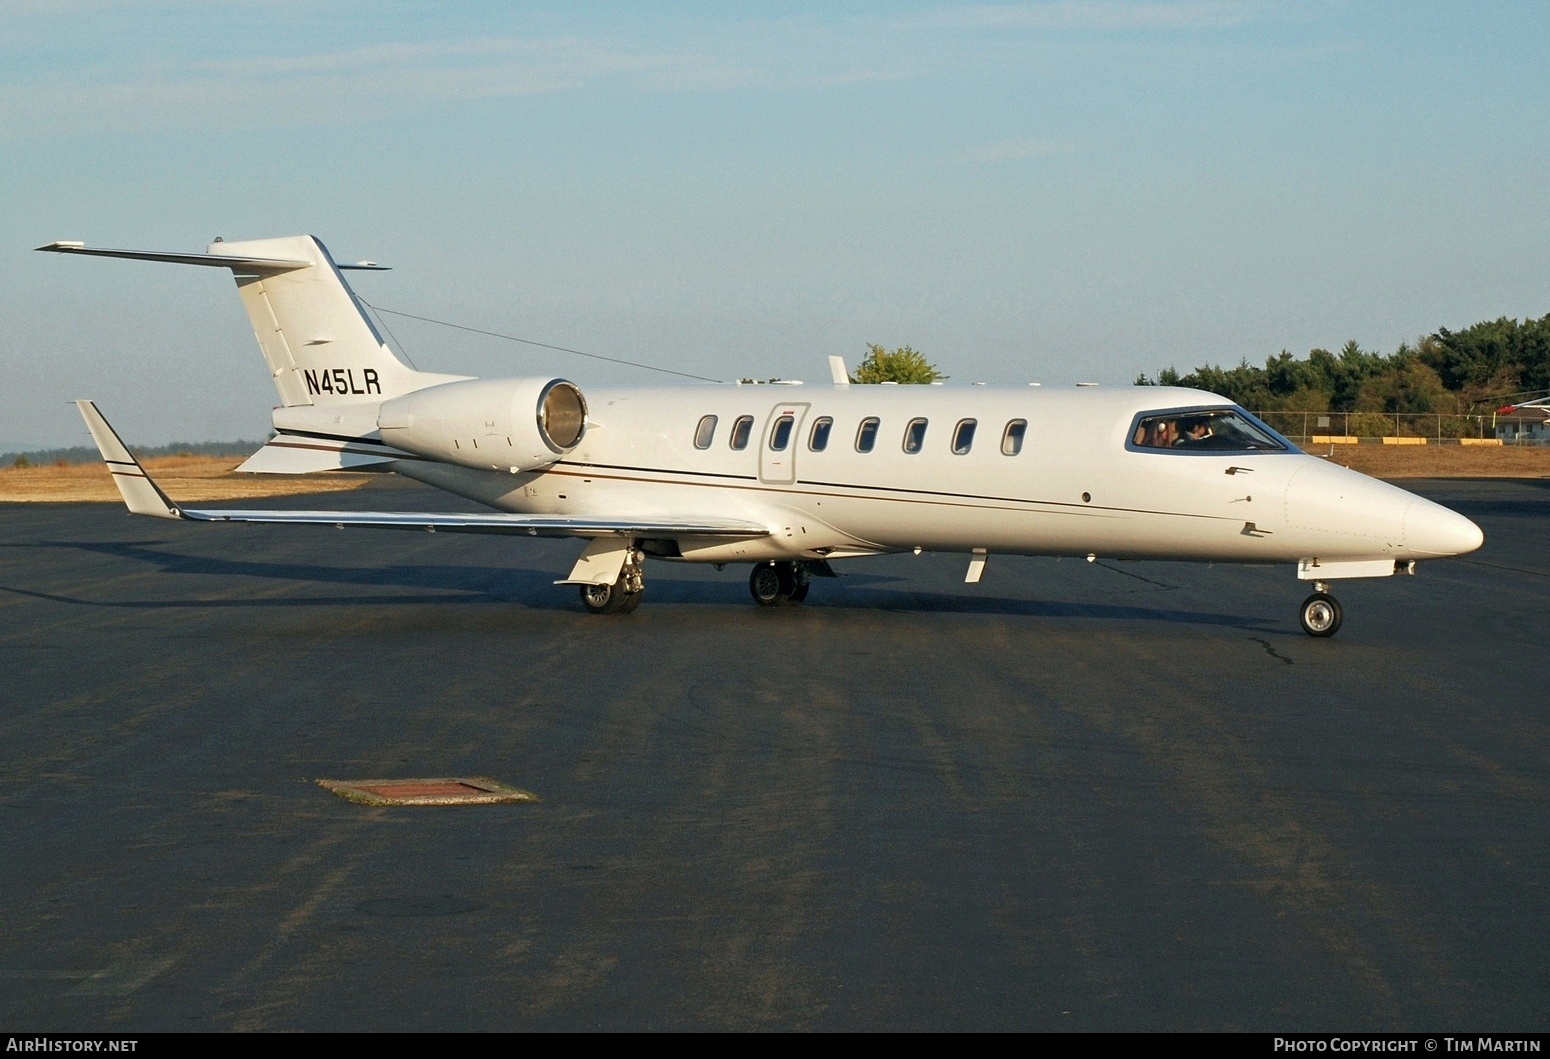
[[1108, 796]]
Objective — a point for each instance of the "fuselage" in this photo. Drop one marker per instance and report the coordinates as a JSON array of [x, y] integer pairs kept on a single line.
[[1074, 482]]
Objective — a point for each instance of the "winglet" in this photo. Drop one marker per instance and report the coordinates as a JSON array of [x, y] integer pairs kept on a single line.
[[140, 493]]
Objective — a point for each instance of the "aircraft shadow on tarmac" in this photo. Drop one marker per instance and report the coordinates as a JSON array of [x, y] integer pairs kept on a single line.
[[535, 590]]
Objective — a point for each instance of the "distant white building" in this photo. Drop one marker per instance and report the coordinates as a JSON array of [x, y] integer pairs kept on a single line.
[[1523, 431]]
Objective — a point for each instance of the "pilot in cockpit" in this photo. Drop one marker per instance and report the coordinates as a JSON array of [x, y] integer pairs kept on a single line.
[[1210, 430], [1193, 432]]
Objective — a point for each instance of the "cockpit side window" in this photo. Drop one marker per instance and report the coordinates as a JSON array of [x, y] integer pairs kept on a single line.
[[1203, 430]]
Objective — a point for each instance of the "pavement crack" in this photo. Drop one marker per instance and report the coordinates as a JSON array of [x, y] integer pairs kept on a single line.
[[1499, 566], [1271, 651], [1138, 577]]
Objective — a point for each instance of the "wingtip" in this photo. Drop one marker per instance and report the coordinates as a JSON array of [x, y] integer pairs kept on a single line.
[[140, 492]]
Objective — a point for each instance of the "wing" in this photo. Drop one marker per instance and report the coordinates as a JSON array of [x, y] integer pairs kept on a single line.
[[496, 522], [144, 497]]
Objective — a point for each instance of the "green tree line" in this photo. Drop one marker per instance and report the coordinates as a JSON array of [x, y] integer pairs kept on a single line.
[[1457, 372]]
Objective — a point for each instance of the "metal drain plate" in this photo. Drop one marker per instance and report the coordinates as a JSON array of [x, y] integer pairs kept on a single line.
[[454, 791]]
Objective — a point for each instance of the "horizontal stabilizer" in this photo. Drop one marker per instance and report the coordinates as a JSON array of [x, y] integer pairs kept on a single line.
[[321, 346], [257, 264]]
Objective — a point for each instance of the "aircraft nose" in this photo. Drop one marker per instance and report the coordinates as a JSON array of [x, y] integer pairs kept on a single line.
[[1432, 529]]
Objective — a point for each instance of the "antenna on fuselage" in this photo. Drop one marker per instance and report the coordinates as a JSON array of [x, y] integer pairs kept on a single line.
[[838, 372]]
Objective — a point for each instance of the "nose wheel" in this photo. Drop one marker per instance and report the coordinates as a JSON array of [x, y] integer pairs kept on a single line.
[[773, 584], [1320, 614]]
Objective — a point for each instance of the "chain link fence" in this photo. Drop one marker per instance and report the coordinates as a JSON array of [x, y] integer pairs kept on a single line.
[[1416, 427]]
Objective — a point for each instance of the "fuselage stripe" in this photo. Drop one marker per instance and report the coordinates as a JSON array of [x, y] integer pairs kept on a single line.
[[947, 499]]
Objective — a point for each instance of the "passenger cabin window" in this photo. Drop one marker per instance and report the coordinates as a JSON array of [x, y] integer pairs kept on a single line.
[[1205, 430], [705, 433], [1012, 437], [915, 436], [780, 435], [866, 436], [818, 440], [963, 437], [742, 430]]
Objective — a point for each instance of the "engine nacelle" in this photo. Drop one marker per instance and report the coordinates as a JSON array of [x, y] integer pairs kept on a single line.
[[491, 424]]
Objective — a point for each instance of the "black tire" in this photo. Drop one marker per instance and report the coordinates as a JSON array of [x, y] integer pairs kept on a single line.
[[631, 601], [1320, 615], [604, 599], [799, 593], [769, 584]]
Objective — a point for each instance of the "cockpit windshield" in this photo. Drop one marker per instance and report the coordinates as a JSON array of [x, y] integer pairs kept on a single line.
[[1205, 430]]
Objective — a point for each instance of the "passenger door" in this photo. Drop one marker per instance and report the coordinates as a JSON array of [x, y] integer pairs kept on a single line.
[[778, 443]]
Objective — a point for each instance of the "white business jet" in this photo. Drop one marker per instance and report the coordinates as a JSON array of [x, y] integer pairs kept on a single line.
[[788, 479]]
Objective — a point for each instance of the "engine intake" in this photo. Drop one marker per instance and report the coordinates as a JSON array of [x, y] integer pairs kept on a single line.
[[491, 424]]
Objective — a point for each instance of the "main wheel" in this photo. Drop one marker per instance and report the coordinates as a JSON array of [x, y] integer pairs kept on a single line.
[[630, 602], [769, 584], [606, 599], [799, 593], [1320, 615]]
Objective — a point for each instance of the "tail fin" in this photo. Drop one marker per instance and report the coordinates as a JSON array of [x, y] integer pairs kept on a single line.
[[320, 345]]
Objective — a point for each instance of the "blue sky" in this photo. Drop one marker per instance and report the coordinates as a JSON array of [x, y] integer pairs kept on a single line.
[[1064, 191]]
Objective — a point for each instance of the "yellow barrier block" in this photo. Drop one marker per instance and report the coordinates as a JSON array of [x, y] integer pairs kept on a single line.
[[1404, 441], [1480, 441], [1334, 439]]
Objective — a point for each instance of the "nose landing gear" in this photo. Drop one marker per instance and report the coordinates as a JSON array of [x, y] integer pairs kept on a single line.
[[775, 583], [1320, 614]]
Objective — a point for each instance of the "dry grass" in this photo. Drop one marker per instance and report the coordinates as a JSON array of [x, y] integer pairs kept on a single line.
[[185, 479], [1440, 461]]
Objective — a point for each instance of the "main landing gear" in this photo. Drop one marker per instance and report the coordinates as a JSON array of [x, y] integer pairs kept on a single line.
[[775, 583], [1320, 614], [623, 595]]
